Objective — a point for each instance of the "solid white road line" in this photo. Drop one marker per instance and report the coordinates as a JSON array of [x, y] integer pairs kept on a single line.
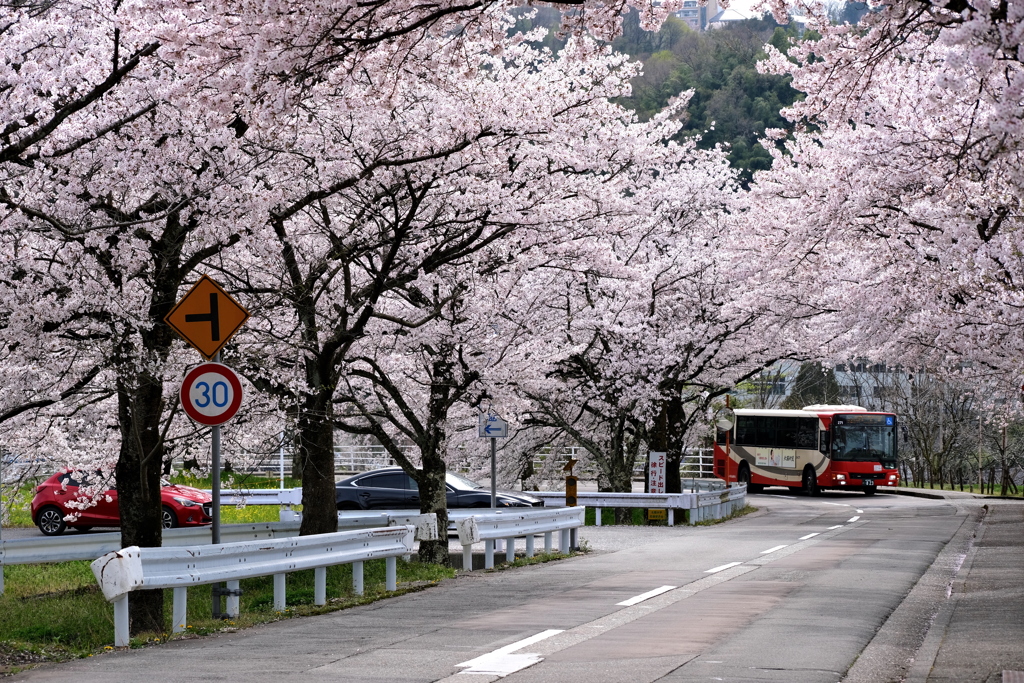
[[645, 596], [722, 568], [502, 662], [860, 512], [804, 538], [772, 550], [853, 519], [837, 526], [842, 505]]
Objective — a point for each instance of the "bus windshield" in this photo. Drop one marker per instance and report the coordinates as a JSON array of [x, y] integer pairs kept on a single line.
[[865, 438]]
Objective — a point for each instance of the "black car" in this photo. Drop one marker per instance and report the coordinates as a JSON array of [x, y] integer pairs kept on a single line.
[[392, 489]]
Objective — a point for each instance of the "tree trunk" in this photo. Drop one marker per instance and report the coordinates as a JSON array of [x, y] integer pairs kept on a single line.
[[433, 499], [138, 486], [433, 488], [316, 447]]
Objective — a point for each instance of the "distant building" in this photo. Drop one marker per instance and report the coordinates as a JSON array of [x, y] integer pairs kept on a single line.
[[729, 15], [696, 16]]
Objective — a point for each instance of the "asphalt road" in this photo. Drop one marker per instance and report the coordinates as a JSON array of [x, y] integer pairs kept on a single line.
[[838, 587]]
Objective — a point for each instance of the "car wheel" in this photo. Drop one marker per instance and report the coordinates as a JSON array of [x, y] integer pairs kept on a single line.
[[810, 482], [51, 521], [168, 518]]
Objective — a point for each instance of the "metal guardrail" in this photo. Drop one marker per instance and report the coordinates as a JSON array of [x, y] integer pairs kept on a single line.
[[91, 546], [134, 568], [701, 506], [513, 524]]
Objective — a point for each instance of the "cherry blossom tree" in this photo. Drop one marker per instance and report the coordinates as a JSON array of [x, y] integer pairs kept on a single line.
[[892, 211]]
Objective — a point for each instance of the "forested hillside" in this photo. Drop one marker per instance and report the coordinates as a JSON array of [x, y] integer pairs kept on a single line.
[[732, 103]]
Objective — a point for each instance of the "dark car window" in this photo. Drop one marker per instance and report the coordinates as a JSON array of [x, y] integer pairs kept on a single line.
[[388, 480]]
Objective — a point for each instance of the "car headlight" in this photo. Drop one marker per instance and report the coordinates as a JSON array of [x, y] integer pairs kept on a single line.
[[840, 477], [185, 502]]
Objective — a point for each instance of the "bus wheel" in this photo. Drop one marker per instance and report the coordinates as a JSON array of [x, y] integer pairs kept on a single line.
[[870, 490], [743, 476], [810, 482]]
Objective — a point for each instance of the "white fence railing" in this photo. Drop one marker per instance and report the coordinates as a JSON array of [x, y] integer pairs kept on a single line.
[[134, 568], [91, 546], [513, 524], [701, 506]]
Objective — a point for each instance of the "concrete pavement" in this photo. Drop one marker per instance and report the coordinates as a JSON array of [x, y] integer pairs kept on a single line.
[[904, 589]]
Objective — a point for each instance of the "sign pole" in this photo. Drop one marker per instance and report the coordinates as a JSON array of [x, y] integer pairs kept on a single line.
[[494, 473], [215, 468]]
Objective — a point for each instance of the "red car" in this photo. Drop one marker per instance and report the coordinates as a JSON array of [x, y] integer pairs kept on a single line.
[[182, 506]]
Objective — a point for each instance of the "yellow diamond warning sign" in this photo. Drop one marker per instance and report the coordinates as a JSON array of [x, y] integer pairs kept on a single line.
[[207, 317]]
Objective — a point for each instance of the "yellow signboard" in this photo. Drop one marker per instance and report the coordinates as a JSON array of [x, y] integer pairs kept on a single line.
[[207, 317], [653, 514]]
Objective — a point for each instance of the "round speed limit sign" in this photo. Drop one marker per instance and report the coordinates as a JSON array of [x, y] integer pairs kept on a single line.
[[211, 394]]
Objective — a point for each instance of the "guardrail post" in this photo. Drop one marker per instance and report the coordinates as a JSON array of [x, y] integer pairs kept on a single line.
[[529, 546], [547, 541], [279, 592], [179, 610], [121, 621], [597, 516], [391, 573], [467, 557], [563, 542], [232, 603], [357, 578], [320, 586], [489, 554], [510, 549]]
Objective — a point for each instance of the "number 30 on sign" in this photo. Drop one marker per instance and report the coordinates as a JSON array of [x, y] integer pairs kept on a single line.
[[211, 394]]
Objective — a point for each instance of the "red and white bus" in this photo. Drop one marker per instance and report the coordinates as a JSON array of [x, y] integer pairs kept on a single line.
[[819, 447]]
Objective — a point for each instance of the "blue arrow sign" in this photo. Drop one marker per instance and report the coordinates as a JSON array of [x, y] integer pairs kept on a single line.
[[492, 427]]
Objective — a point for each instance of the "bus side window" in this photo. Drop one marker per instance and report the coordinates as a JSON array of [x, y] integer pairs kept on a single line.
[[807, 435], [766, 427], [823, 443], [745, 431], [787, 432]]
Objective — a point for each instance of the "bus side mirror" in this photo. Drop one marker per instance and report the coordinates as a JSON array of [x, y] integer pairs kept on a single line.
[[823, 442]]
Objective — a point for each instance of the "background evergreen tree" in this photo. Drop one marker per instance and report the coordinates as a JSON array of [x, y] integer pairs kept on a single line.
[[813, 384]]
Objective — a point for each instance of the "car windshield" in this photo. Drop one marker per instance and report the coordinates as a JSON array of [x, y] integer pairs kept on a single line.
[[462, 484], [865, 443]]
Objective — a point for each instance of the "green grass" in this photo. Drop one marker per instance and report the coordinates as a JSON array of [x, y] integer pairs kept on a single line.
[[58, 609], [636, 518], [232, 480]]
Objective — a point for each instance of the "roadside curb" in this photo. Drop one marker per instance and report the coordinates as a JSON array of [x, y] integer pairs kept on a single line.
[[919, 494], [955, 495], [906, 644]]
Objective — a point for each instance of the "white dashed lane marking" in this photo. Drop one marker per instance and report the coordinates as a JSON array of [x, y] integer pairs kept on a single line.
[[804, 538], [645, 596], [502, 662], [772, 550], [722, 568]]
